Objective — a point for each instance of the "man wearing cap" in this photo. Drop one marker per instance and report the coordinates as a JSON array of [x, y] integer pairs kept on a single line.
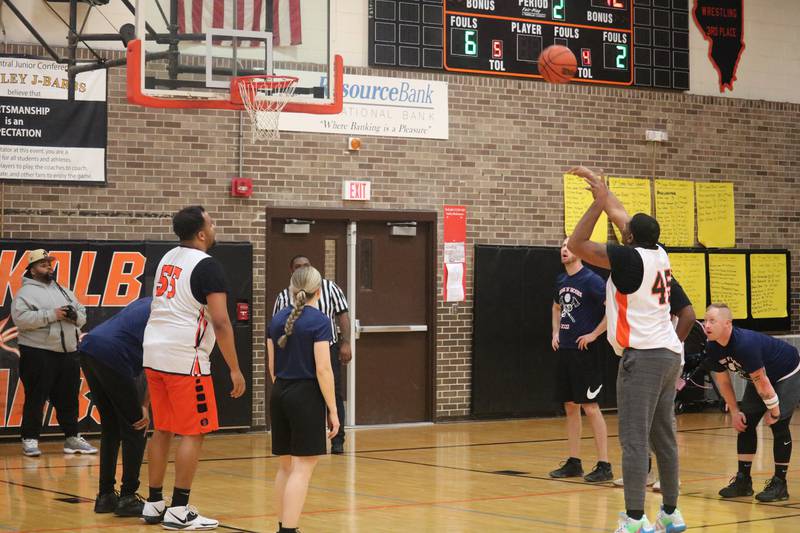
[[48, 318]]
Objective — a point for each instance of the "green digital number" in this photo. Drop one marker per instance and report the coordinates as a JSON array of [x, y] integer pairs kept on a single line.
[[558, 9], [622, 55], [471, 43]]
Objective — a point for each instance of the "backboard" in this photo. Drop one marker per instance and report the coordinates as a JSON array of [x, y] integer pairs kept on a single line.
[[190, 50]]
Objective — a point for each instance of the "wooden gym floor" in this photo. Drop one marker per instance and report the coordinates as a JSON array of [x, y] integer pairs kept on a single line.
[[457, 477]]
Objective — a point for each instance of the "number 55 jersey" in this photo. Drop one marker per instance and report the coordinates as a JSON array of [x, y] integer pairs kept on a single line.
[[178, 338]]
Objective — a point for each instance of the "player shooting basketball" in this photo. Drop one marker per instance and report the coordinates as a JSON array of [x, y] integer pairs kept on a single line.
[[641, 332]]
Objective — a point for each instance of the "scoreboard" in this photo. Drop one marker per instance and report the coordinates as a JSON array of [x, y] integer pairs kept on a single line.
[[616, 42], [506, 36]]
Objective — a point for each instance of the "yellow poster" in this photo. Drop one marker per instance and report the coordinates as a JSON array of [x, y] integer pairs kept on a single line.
[[675, 212], [768, 285], [716, 223], [634, 193], [690, 271], [728, 279], [576, 201]]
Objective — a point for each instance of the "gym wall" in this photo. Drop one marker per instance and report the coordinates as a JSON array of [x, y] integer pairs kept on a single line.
[[510, 142]]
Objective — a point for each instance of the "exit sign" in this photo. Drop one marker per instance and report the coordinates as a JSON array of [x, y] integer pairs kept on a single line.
[[356, 190]]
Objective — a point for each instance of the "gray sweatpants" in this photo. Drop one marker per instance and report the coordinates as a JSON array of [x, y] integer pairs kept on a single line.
[[646, 403]]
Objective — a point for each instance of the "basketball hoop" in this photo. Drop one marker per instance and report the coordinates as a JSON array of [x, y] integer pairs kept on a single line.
[[264, 97]]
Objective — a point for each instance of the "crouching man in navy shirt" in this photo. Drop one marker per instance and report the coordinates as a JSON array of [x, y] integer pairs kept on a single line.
[[111, 358], [772, 370]]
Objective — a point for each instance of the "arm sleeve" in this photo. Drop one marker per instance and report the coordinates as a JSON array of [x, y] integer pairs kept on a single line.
[[599, 289], [338, 299], [323, 330], [207, 278], [627, 269], [677, 297], [25, 317]]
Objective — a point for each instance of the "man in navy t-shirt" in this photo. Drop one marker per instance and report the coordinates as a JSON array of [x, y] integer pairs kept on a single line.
[[772, 370], [579, 318], [111, 358]]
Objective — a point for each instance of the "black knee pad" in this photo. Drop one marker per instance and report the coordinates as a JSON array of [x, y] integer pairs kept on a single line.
[[747, 441], [782, 441]]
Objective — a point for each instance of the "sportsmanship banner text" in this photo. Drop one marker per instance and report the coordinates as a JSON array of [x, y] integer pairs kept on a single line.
[[44, 136]]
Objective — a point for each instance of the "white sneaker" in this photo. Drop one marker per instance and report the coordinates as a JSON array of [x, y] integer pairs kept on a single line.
[[78, 445], [651, 480], [30, 447], [153, 512], [629, 525], [670, 523], [186, 518]]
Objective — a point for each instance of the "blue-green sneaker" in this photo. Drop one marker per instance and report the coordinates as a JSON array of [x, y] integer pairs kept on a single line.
[[629, 525], [670, 523]]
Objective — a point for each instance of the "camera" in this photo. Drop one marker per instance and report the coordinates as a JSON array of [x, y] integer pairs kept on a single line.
[[70, 312]]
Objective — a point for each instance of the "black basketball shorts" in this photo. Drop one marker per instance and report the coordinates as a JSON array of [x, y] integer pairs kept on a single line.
[[299, 418], [579, 374]]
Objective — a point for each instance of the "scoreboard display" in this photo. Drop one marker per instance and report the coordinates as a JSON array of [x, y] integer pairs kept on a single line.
[[616, 42], [506, 37]]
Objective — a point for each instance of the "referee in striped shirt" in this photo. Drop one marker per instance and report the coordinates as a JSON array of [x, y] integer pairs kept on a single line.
[[332, 303]]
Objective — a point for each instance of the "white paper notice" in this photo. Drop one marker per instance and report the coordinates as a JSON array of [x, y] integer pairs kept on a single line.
[[455, 282], [455, 252]]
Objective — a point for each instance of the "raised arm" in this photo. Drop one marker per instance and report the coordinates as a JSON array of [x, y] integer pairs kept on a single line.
[[614, 209], [579, 244]]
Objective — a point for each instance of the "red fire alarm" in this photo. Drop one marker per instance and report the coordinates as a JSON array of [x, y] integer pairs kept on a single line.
[[242, 311], [242, 187]]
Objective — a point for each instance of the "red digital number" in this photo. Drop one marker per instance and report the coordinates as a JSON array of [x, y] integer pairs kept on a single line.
[[166, 280], [497, 49], [586, 57]]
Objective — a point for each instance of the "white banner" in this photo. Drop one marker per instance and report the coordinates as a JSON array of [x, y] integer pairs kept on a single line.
[[382, 107], [43, 135]]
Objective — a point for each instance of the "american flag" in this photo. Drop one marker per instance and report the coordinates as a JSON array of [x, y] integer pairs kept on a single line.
[[195, 16]]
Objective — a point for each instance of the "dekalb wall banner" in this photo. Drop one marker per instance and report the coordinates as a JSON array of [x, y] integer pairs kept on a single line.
[[43, 135], [381, 107], [106, 276]]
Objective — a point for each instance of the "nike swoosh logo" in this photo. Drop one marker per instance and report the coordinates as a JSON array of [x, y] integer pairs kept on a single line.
[[787, 443], [593, 394]]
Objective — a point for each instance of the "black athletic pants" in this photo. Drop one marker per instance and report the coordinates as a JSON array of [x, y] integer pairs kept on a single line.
[[336, 366], [49, 375], [116, 396]]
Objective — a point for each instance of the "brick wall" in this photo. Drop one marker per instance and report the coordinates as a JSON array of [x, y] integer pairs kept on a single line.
[[510, 142]]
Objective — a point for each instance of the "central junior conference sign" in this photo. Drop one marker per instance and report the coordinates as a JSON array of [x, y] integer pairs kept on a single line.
[[383, 107]]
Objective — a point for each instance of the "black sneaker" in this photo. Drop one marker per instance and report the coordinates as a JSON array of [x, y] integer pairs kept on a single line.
[[337, 448], [740, 485], [570, 468], [601, 472], [130, 505], [774, 491], [106, 503]]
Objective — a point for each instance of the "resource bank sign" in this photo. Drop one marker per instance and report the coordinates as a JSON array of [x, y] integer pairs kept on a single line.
[[383, 107], [43, 136]]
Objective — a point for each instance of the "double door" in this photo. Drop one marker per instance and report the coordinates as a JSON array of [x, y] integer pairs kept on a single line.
[[384, 263]]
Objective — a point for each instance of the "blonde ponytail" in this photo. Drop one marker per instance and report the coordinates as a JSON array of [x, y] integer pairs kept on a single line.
[[305, 282]]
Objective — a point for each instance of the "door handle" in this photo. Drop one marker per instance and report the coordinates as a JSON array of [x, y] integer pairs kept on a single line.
[[389, 328]]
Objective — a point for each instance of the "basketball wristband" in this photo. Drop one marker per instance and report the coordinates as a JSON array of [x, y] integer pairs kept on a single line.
[[772, 402]]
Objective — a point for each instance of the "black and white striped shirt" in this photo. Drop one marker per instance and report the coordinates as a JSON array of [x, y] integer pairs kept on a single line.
[[331, 302]]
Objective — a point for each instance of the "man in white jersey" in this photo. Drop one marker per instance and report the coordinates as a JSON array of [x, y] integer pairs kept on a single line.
[[640, 331], [189, 295]]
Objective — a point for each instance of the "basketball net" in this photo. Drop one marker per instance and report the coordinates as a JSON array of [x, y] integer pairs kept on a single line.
[[264, 97]]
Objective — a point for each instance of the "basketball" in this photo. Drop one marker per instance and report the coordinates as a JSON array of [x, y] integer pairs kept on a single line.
[[557, 64]]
